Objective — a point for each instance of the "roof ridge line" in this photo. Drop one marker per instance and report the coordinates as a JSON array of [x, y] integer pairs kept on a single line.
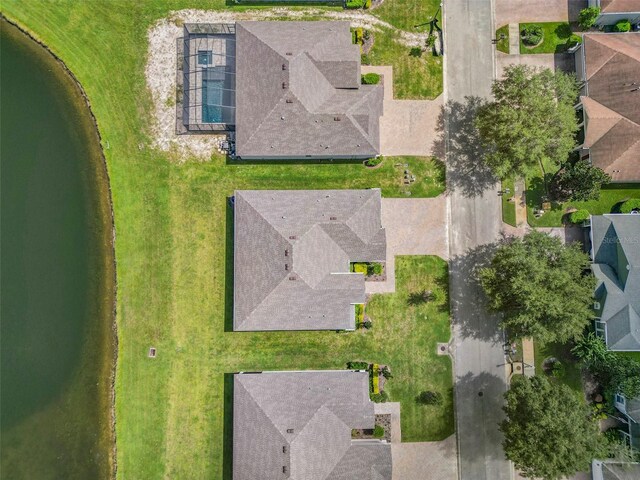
[[266, 415]]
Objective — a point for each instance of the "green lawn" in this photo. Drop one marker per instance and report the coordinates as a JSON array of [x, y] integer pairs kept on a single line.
[[571, 375], [406, 14], [508, 208], [503, 44], [414, 77], [557, 37], [610, 197], [171, 247]]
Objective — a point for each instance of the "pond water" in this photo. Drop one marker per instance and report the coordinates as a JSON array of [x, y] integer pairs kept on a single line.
[[58, 283]]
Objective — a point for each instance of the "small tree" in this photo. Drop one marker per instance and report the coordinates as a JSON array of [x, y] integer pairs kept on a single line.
[[429, 398], [530, 121], [547, 433], [579, 181], [588, 17], [541, 287], [532, 34], [579, 216]]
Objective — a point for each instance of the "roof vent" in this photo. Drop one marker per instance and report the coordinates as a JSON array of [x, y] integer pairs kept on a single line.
[[289, 430], [336, 119], [286, 266], [289, 53], [284, 469], [292, 278], [286, 252], [289, 100], [284, 85], [284, 449], [333, 218], [292, 237], [284, 66]]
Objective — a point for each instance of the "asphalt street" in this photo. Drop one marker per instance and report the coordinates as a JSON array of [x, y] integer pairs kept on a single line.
[[474, 224]]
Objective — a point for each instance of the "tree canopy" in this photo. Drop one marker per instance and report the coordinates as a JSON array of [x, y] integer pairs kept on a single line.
[[588, 16], [542, 287], [531, 120], [579, 181], [548, 432]]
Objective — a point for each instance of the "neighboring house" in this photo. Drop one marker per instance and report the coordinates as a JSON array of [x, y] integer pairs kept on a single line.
[[290, 90], [630, 410], [612, 470], [612, 11], [608, 65], [297, 425], [615, 253], [292, 256]]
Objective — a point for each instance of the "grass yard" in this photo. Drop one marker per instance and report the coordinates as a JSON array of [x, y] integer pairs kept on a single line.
[[610, 197], [414, 77], [171, 251], [503, 44], [508, 208], [409, 15], [558, 36], [571, 375]]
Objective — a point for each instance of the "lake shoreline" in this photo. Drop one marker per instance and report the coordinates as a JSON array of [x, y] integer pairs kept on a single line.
[[104, 202]]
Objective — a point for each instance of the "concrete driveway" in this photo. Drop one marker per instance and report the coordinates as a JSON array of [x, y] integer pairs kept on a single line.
[[419, 461], [407, 127], [555, 61], [520, 11], [415, 226]]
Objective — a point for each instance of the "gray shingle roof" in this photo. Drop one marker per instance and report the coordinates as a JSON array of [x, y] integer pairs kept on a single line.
[[297, 425], [292, 255], [293, 80], [616, 266]]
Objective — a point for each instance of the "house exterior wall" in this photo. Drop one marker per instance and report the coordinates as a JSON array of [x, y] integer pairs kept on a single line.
[[613, 18]]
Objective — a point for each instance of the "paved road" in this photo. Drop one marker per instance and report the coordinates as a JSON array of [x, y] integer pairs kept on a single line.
[[475, 221]]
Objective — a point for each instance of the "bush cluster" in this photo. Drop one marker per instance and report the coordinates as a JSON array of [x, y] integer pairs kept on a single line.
[[532, 35], [370, 79], [429, 398], [354, 4], [588, 17], [622, 26], [379, 397], [357, 365], [631, 205], [378, 431]]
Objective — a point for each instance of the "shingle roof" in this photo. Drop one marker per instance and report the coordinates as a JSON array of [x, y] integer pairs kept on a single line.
[[292, 255], [616, 266], [293, 80], [619, 6], [612, 107], [297, 426]]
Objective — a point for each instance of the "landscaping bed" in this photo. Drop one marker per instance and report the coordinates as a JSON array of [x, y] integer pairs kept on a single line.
[[502, 44], [508, 202]]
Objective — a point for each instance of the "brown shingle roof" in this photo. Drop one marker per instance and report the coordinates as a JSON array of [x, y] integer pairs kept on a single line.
[[615, 6], [612, 107]]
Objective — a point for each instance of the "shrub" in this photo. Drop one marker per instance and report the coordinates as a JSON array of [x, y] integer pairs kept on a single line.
[[429, 398], [532, 35], [359, 313], [366, 324], [377, 269], [379, 397], [375, 381], [359, 35], [631, 205], [365, 60], [386, 373], [415, 52], [367, 4], [579, 216], [622, 26], [357, 365], [370, 79], [352, 4], [378, 431], [557, 369], [373, 162], [588, 17], [359, 268]]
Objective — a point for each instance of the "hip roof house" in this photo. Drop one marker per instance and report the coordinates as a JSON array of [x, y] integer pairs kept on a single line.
[[292, 256], [611, 11], [297, 425], [290, 90], [608, 64], [616, 265]]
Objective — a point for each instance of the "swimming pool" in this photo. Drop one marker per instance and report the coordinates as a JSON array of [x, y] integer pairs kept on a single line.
[[212, 100]]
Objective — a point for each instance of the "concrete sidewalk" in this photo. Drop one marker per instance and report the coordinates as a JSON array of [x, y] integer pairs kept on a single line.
[[425, 460]]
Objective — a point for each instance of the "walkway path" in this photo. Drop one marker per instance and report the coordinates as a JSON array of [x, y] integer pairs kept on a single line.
[[475, 222], [514, 39]]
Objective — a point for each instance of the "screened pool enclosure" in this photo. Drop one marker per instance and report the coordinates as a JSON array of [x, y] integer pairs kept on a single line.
[[205, 97]]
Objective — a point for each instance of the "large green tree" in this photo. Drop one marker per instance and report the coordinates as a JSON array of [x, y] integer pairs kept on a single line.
[[542, 287], [531, 120], [548, 432], [579, 181]]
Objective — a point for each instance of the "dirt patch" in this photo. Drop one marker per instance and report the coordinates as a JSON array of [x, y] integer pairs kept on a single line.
[[160, 71]]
